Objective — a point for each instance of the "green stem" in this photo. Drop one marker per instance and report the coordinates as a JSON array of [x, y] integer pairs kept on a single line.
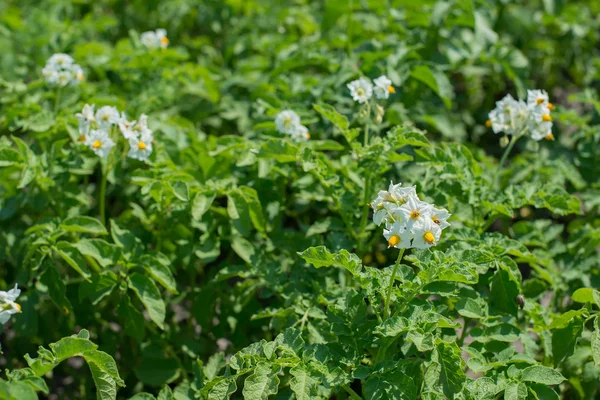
[[57, 100], [368, 124], [386, 310], [102, 202], [352, 393], [349, 29], [511, 144]]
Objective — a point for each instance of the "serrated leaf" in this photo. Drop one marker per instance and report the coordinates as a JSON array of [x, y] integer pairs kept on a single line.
[[452, 376], [261, 384], [201, 204], [321, 257], [331, 114], [181, 190], [596, 342], [564, 339], [302, 384], [280, 150], [73, 257]]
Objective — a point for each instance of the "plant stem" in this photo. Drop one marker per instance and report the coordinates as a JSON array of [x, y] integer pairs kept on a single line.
[[386, 310], [57, 100], [511, 144], [368, 124], [101, 200], [352, 393]]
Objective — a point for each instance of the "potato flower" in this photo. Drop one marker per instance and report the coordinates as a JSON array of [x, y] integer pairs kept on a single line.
[[383, 87], [61, 70], [99, 142], [361, 90], [409, 222], [155, 39], [8, 305]]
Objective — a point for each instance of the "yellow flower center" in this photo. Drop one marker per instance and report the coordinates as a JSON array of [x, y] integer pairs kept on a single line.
[[81, 138], [436, 220], [488, 123], [540, 100], [307, 135], [141, 145], [80, 76], [97, 144], [550, 136], [394, 240], [360, 91], [391, 89], [287, 122], [415, 214], [551, 106], [105, 117], [18, 307], [428, 237], [380, 206], [546, 118], [164, 40]]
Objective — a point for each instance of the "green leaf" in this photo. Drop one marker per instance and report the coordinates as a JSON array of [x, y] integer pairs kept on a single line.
[[302, 384], [56, 289], [165, 394], [504, 291], [150, 297], [157, 371], [72, 256], [586, 295], [470, 308], [134, 319], [278, 149], [407, 136], [516, 391], [261, 383], [321, 257], [331, 114], [83, 224], [181, 190], [105, 253], [452, 376], [564, 339], [244, 207], [541, 374], [201, 204], [161, 273], [98, 287], [223, 389], [215, 363], [436, 80]]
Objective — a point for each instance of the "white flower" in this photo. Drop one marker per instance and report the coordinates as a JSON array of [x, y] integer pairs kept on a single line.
[[141, 127], [8, 306], [127, 127], [85, 118], [163, 40], [537, 98], [106, 117], [361, 90], [287, 122], [386, 206], [61, 70], [383, 87], [100, 143], [415, 210], [398, 236], [140, 148], [426, 234], [155, 39], [301, 134], [540, 127], [439, 216]]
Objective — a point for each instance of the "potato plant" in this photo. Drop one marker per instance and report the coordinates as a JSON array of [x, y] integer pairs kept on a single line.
[[341, 199]]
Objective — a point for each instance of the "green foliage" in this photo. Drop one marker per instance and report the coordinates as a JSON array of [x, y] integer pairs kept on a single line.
[[237, 263]]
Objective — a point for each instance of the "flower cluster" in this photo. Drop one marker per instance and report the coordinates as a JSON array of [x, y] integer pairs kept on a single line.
[[8, 306], [95, 131], [409, 222], [288, 123], [155, 39], [362, 89], [61, 70], [517, 117]]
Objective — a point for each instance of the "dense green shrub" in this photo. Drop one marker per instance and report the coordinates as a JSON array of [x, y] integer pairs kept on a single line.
[[228, 260]]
